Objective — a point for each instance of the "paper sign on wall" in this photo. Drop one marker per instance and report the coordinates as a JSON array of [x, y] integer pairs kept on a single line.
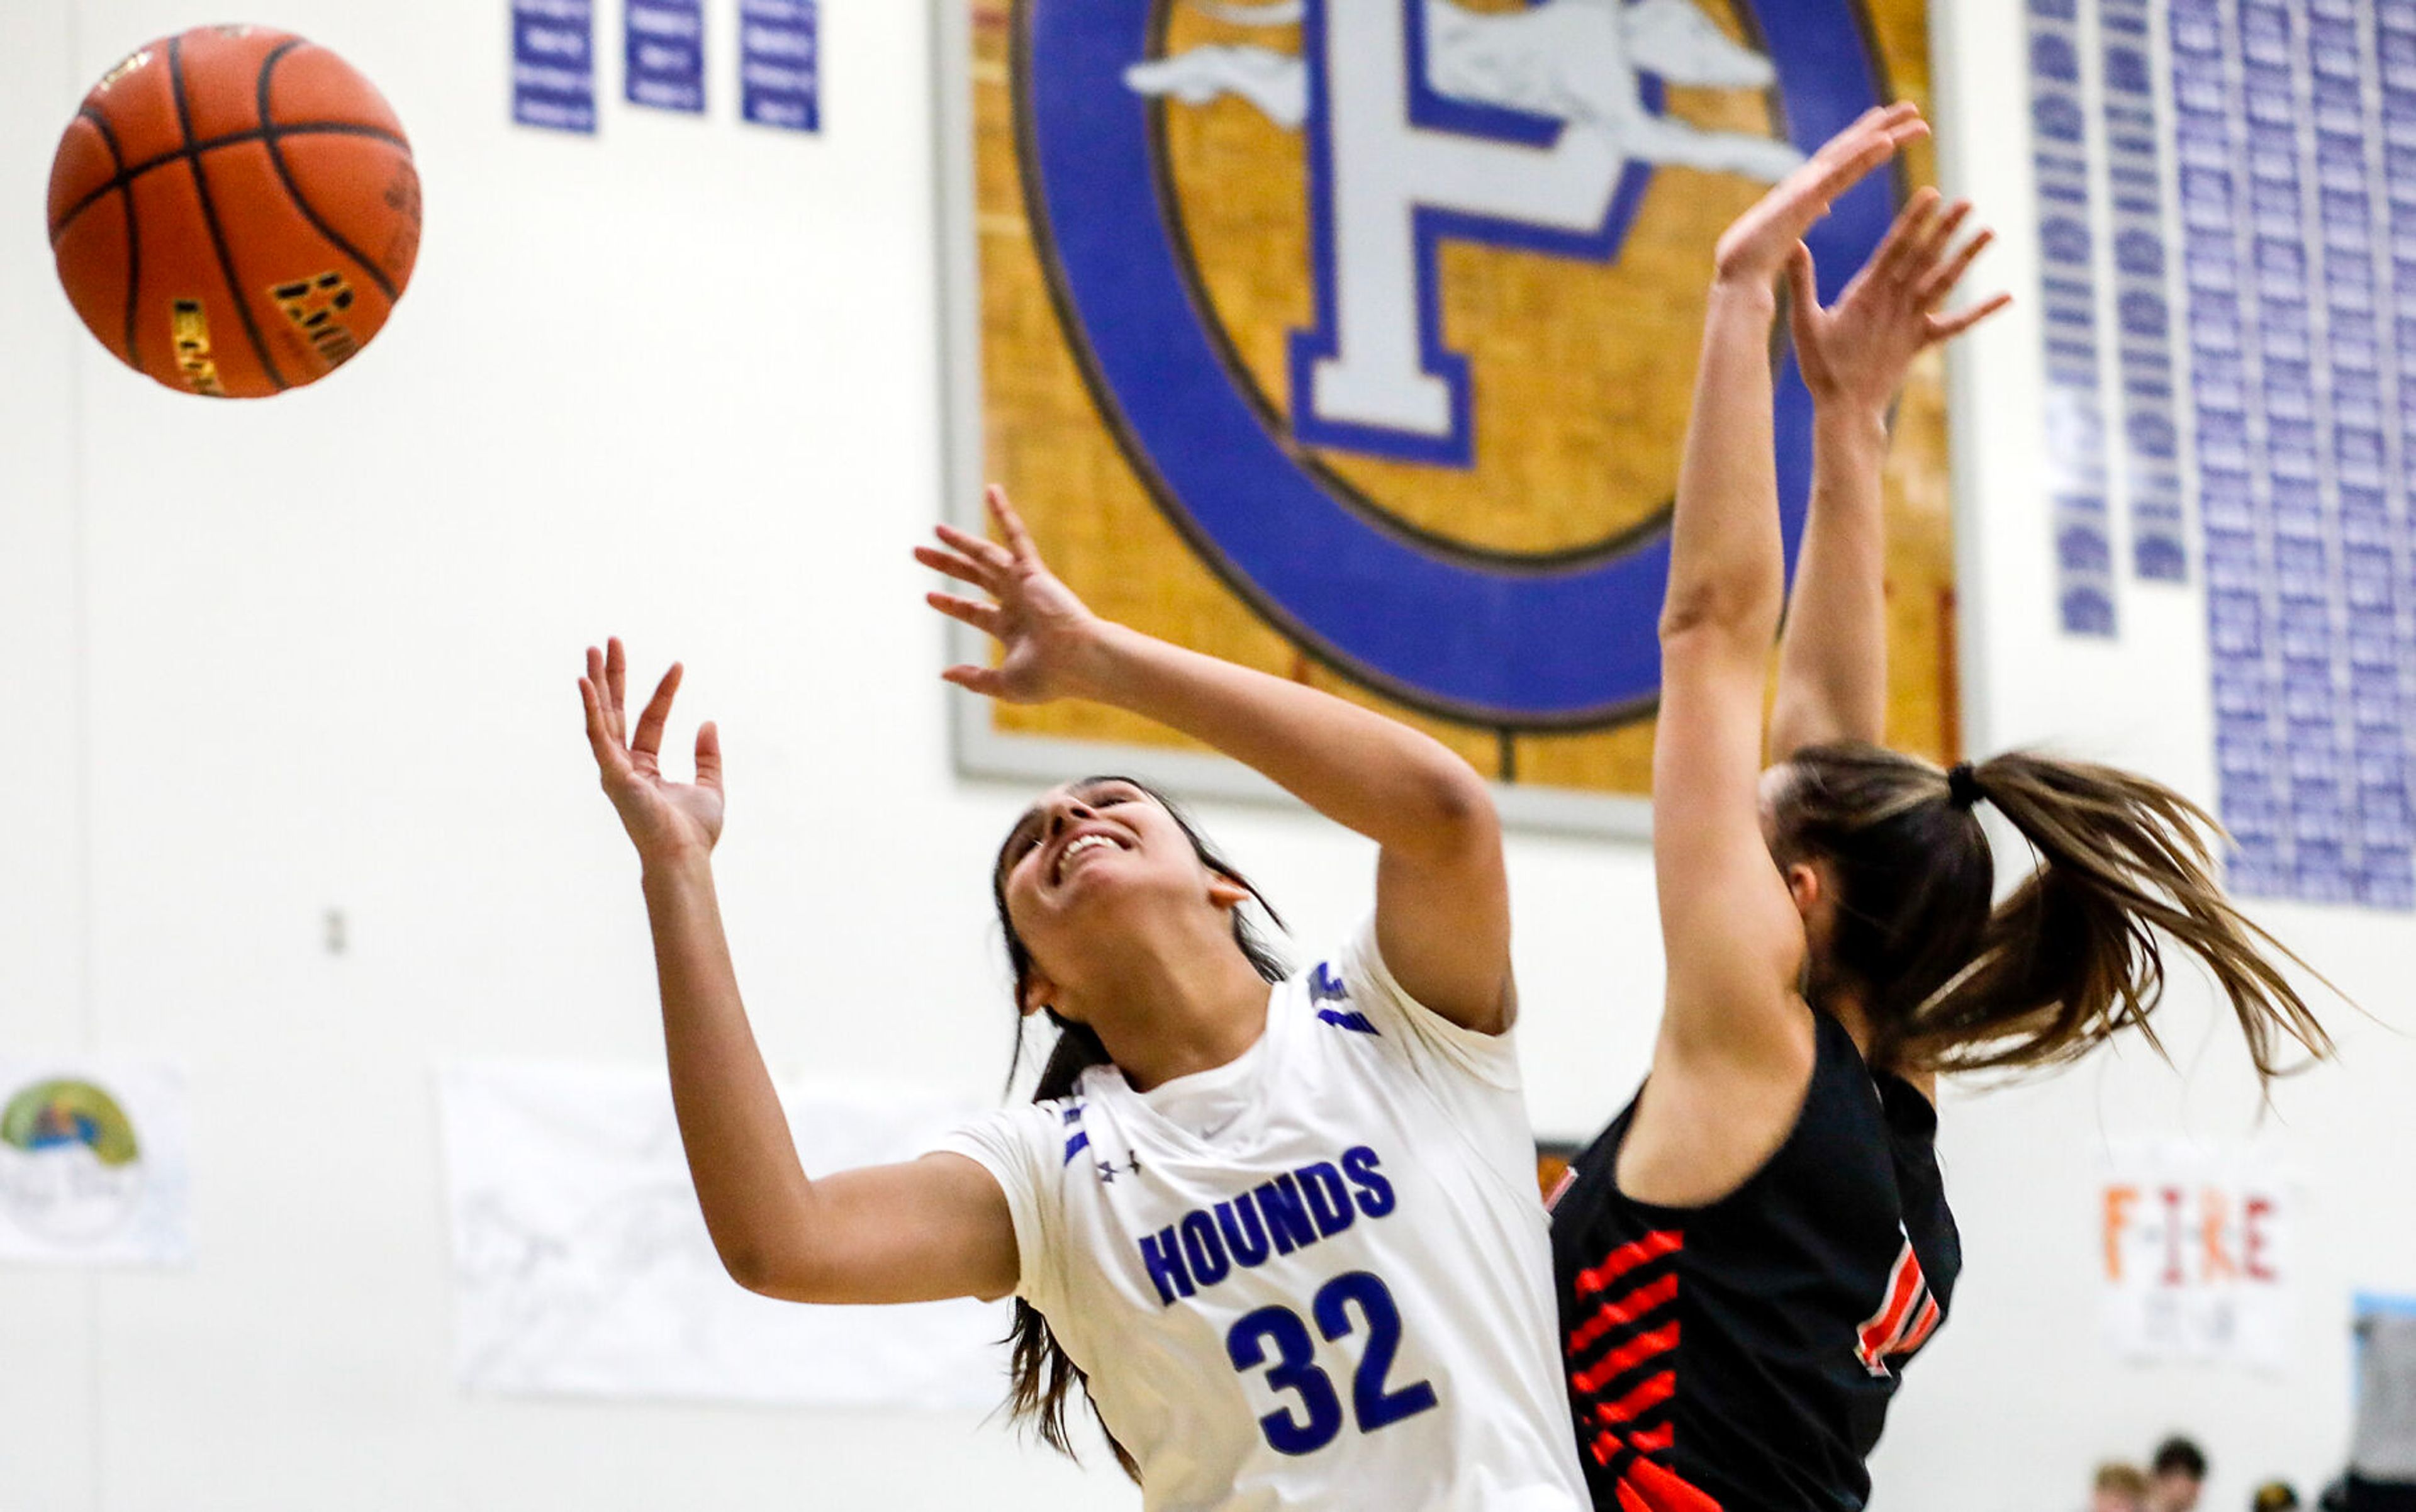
[[2197, 1255], [581, 1265], [93, 1164]]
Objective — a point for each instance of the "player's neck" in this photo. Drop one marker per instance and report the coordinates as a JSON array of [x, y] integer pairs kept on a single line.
[[1847, 1009], [1170, 1012]]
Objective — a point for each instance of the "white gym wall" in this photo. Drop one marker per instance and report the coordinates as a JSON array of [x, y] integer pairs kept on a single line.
[[260, 662]]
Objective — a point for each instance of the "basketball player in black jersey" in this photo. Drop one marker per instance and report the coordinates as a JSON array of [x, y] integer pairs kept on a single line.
[[1749, 1254]]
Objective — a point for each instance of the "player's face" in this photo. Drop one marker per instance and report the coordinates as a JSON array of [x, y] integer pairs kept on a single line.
[[1085, 850]]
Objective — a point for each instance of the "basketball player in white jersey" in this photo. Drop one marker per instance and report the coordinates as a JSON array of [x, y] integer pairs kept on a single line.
[[1286, 1233]]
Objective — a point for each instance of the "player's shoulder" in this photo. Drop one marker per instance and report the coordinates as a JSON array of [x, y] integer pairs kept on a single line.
[[1029, 1130], [1335, 992]]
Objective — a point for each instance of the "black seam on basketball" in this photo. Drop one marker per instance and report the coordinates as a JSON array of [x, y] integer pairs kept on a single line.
[[233, 139], [210, 218], [133, 241], [116, 170], [294, 190]]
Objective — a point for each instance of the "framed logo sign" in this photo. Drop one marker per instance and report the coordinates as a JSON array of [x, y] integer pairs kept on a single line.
[[1353, 340]]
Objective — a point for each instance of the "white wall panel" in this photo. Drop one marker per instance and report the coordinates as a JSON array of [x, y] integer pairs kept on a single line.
[[679, 381]]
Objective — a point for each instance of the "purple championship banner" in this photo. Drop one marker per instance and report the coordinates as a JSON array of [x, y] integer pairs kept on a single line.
[[663, 50], [779, 60], [2292, 197], [2076, 418], [554, 64], [2143, 335]]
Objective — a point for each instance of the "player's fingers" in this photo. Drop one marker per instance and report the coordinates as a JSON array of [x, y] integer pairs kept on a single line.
[[1941, 235], [1010, 524], [1942, 278], [1803, 292], [708, 756], [616, 677], [985, 618], [610, 756], [987, 681], [1878, 119], [1849, 169], [1910, 230], [954, 565], [610, 711], [980, 550], [649, 735], [1947, 328]]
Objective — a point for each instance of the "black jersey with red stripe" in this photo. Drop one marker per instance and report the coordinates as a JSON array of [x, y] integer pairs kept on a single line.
[[1740, 1358]]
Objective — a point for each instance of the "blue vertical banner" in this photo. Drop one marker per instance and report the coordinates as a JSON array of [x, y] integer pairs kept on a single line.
[[663, 53], [2143, 334], [2292, 372], [2297, 201], [2060, 138], [554, 64], [2351, 244], [779, 64], [2233, 504], [2382, 526]]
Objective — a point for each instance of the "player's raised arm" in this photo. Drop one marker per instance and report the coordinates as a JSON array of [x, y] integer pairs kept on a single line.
[[1443, 912], [929, 1228], [1733, 938], [1854, 355]]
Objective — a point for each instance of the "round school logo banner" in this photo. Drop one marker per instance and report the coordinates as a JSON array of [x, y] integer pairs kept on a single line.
[[70, 1166], [1353, 338]]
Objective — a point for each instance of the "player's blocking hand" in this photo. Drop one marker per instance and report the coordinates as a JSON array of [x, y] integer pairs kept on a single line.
[[665, 819], [1856, 351], [1757, 245], [1044, 633]]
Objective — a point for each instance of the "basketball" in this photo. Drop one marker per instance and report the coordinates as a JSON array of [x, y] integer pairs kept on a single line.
[[233, 211]]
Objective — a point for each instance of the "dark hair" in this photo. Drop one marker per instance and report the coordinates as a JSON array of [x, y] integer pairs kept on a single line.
[[1041, 1374], [2073, 956], [2178, 1455]]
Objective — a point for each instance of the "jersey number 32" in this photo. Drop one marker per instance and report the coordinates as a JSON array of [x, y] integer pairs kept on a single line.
[[1294, 1367]]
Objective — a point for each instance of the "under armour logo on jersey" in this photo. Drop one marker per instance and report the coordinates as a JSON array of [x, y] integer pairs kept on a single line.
[[1908, 1316]]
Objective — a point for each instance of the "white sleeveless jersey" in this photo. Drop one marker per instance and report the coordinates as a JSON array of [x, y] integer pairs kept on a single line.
[[1317, 1276]]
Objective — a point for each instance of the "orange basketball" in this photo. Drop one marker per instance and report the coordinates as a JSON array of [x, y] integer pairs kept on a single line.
[[235, 211]]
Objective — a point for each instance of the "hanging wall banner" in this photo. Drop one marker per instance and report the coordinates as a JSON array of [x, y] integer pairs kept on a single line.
[[2198, 1255], [2066, 135], [779, 64], [581, 1266], [93, 1164], [2226, 213], [554, 64], [663, 48], [1355, 344]]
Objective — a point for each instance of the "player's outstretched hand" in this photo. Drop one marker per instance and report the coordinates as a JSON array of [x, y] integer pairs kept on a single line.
[[665, 819], [1043, 630], [1757, 245], [1856, 351]]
